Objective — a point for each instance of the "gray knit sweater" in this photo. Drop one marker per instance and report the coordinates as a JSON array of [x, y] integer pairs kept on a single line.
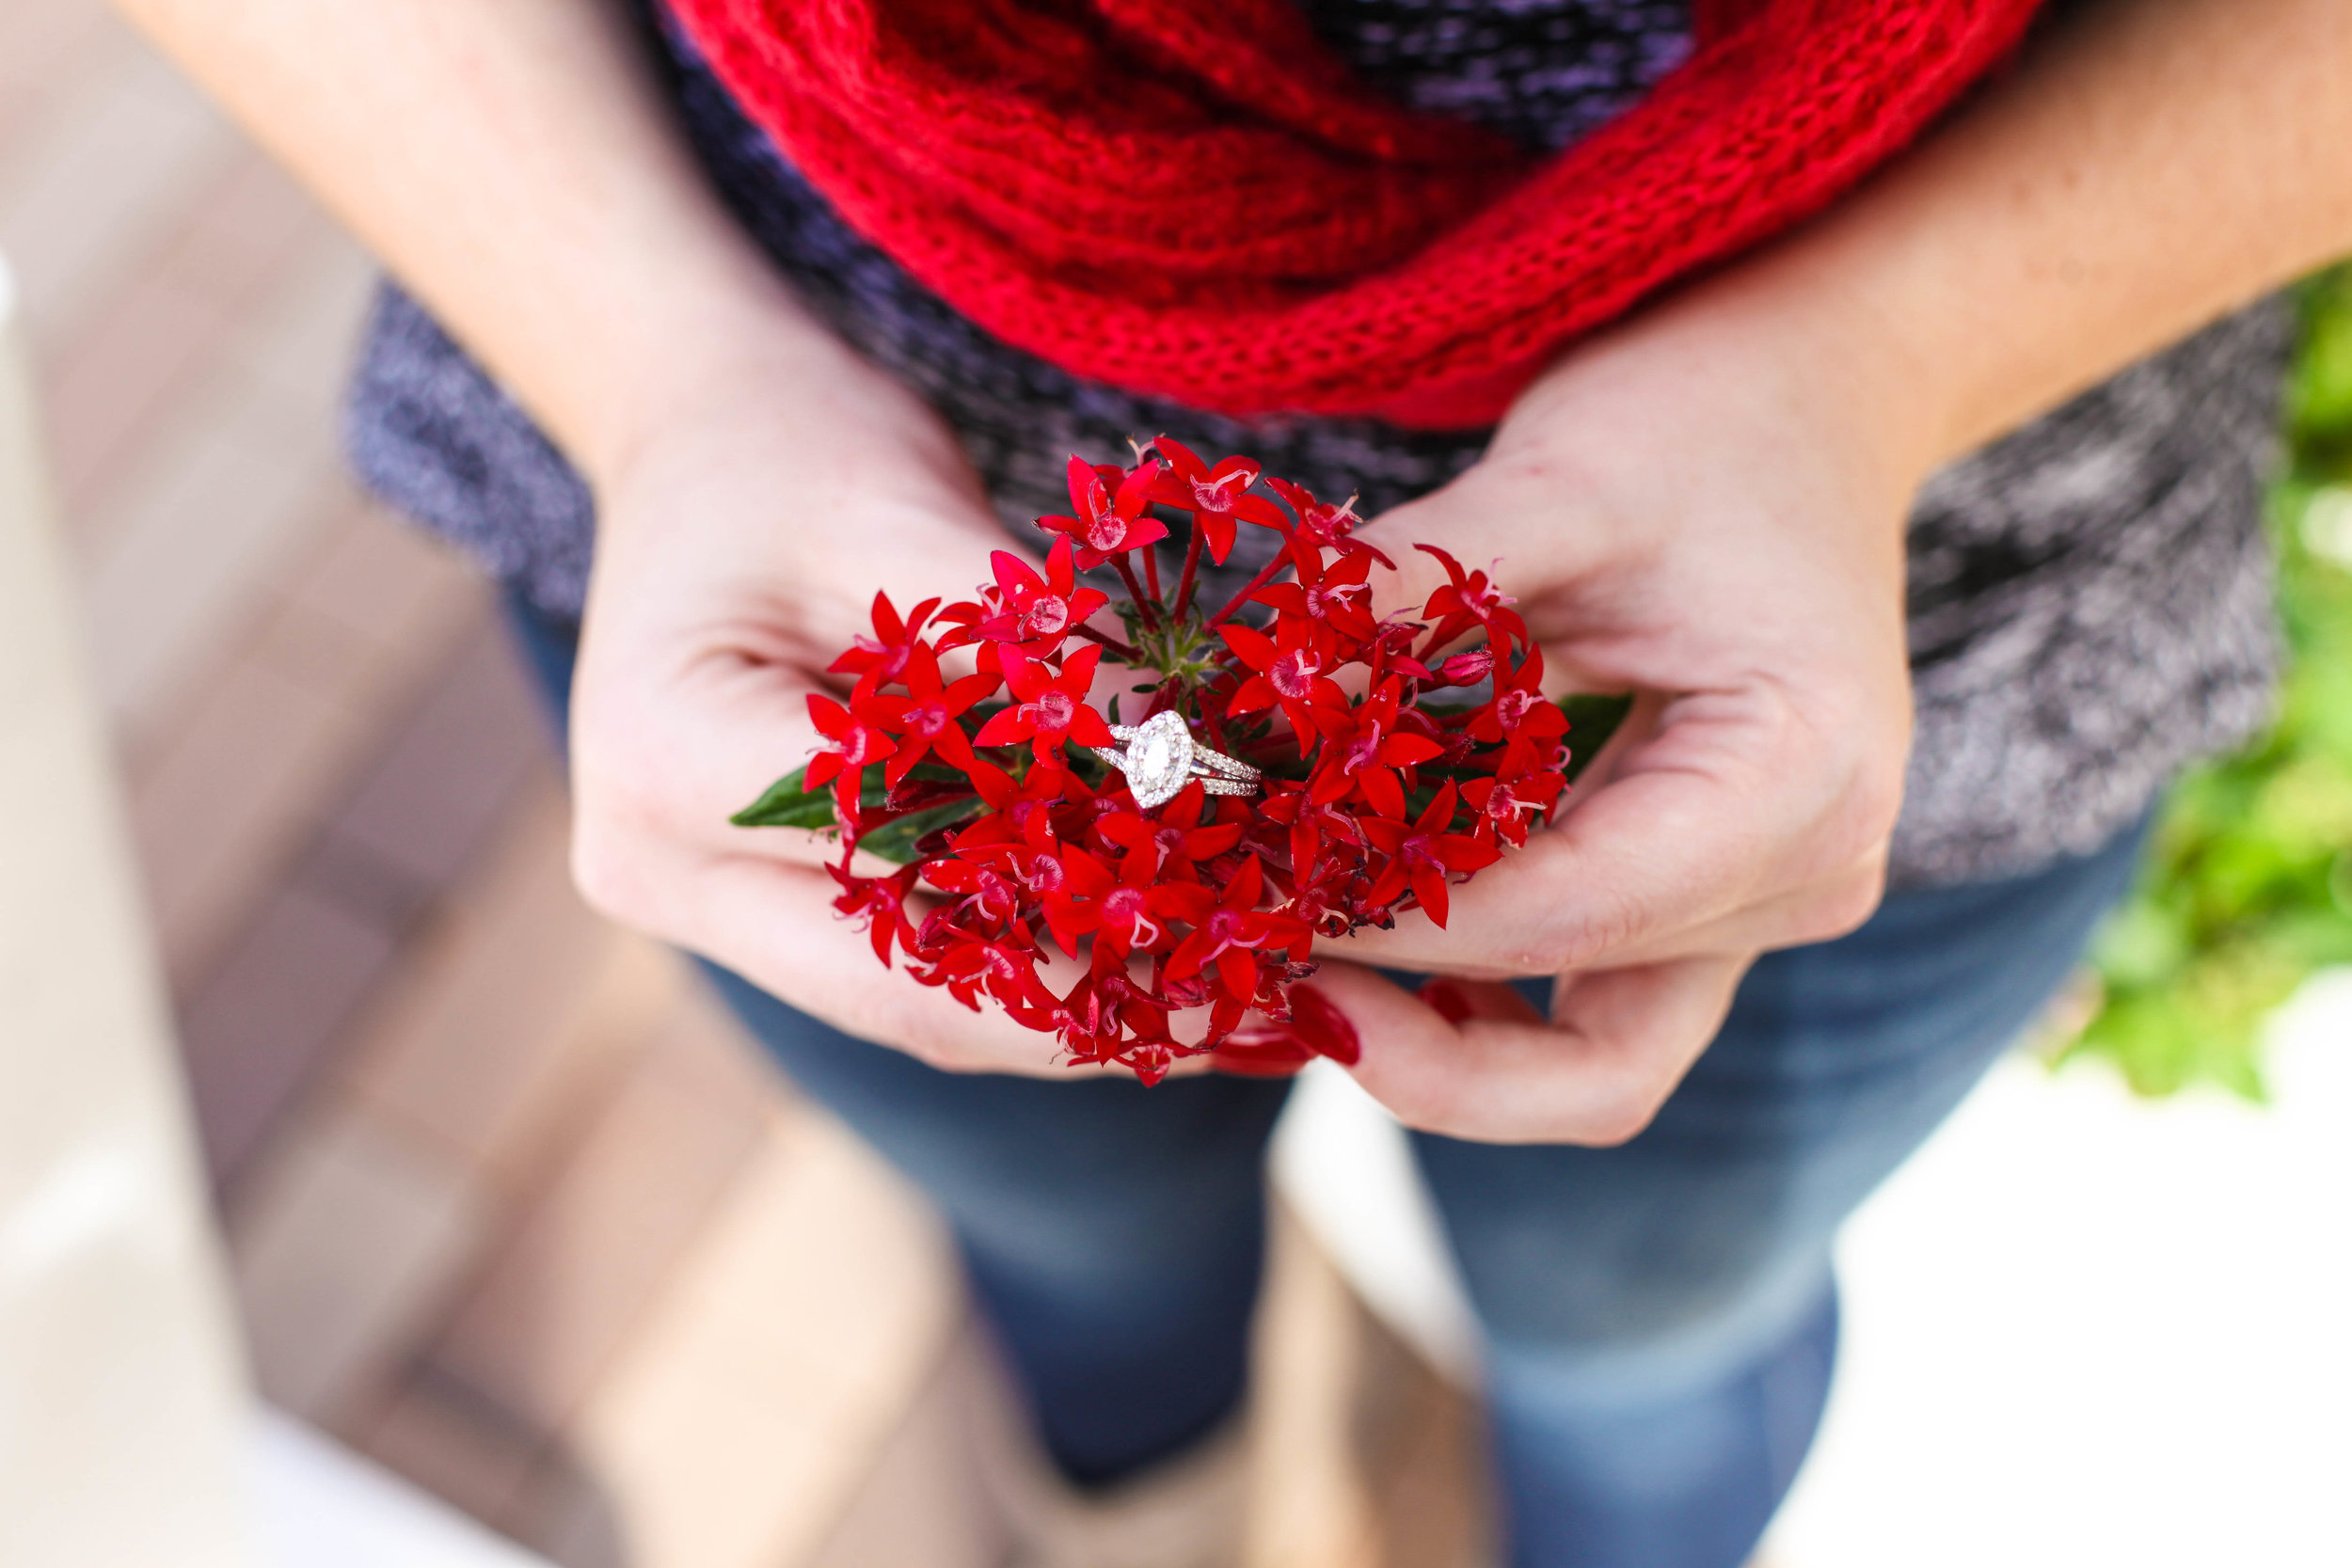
[[2089, 596]]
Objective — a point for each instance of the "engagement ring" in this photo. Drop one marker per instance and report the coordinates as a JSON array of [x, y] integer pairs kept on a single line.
[[1162, 757]]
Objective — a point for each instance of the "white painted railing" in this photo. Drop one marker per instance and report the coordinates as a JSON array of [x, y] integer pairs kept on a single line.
[[122, 1408], [128, 1438]]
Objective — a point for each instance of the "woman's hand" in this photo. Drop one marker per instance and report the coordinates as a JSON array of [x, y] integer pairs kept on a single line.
[[1694, 509], [1706, 505], [740, 544]]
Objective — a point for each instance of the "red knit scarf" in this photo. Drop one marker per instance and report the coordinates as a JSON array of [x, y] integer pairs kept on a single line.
[[1195, 198]]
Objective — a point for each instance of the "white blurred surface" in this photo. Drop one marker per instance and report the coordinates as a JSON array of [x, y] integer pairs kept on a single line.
[[322, 1506], [119, 1385], [2081, 1328], [1344, 1167]]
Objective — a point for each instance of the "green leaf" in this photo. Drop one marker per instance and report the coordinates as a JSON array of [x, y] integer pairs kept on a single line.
[[786, 804], [2248, 884], [895, 841]]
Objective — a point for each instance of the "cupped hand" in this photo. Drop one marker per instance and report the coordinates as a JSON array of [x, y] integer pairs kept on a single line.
[[1694, 511], [740, 544]]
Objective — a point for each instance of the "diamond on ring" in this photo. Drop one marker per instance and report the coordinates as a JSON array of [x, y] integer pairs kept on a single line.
[[1161, 757]]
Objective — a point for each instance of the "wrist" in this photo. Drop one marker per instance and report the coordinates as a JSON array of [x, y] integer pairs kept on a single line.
[[706, 361], [762, 380], [1754, 361]]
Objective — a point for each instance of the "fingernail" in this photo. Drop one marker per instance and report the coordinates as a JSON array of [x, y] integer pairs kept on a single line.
[[1271, 1050], [1264, 1064], [1451, 1002], [1324, 1026]]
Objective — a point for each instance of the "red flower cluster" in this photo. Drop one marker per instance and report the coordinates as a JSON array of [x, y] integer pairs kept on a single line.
[[1373, 792]]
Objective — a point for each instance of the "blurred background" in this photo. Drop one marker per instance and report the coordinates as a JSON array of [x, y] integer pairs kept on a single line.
[[511, 1212]]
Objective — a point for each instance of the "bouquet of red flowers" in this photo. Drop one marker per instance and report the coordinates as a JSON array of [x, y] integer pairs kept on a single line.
[[1296, 769]]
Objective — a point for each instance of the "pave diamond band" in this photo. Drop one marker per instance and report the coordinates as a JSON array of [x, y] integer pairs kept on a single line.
[[1161, 757]]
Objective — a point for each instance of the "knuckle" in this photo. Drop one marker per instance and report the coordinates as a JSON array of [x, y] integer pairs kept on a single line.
[[1849, 843], [604, 872], [1578, 937], [1625, 1110], [1429, 1103], [944, 1048], [884, 1018], [1848, 906], [1873, 801], [945, 1044], [1837, 908], [613, 823], [933, 1053]]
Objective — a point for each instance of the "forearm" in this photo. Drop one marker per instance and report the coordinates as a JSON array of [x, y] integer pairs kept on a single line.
[[513, 166], [2147, 165]]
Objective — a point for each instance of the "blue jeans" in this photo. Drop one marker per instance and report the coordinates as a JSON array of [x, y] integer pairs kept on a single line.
[[1661, 1316]]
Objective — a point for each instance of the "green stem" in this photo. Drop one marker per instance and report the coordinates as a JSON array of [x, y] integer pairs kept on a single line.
[[1127, 651], [1233, 604]]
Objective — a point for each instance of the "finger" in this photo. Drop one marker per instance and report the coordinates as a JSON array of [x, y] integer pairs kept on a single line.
[[683, 751], [1475, 520], [1819, 912], [673, 753], [1726, 812], [774, 925], [1617, 1044]]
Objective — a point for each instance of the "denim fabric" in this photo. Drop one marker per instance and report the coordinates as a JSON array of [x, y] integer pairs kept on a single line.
[[1661, 1316]]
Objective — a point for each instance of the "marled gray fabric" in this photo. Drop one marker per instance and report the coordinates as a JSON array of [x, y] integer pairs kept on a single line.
[[2090, 606], [2089, 601]]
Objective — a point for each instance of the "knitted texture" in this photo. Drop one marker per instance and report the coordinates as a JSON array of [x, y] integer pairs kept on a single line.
[[1194, 199], [2088, 597]]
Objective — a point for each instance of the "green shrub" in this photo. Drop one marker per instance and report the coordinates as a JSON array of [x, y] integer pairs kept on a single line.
[[2248, 888]]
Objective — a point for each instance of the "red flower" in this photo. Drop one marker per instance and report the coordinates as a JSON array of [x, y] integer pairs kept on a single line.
[[1108, 524], [1290, 672], [1468, 599], [1177, 836], [1101, 1010], [1362, 748], [984, 893], [1050, 708], [1505, 806], [1229, 931], [1208, 903], [1128, 912], [927, 716], [1217, 498], [1519, 711], [1419, 856], [880, 901], [1108, 1019], [1468, 668], [1014, 799], [970, 965], [1037, 612], [856, 743], [1329, 595], [1330, 527], [892, 643]]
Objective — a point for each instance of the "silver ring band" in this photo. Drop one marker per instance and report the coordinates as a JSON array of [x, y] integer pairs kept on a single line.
[[1161, 757]]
